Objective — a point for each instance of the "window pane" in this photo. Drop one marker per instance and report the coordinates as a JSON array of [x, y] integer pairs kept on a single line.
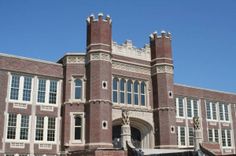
[[214, 111], [195, 107], [53, 92], [27, 88], [39, 128], [208, 110], [143, 100], [114, 96], [191, 141], [11, 131], [77, 129], [41, 90], [210, 135], [181, 107], [182, 136], [78, 89], [122, 97], [221, 111], [15, 87], [189, 108], [77, 121], [223, 138], [216, 136], [115, 90], [122, 89], [24, 127], [51, 129], [77, 133], [226, 112], [143, 88], [129, 92], [228, 138]]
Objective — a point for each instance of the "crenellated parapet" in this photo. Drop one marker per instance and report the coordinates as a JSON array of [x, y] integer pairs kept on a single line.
[[101, 17], [127, 49]]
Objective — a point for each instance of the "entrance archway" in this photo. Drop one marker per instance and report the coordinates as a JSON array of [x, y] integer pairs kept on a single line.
[[135, 136], [141, 133]]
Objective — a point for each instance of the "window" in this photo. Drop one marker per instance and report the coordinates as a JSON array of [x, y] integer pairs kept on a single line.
[[11, 130], [77, 128], [129, 92], [45, 133], [18, 131], [53, 92], [78, 89], [181, 136], [136, 101], [15, 83], [122, 91], [41, 90], [192, 108], [224, 112], [21, 92], [143, 93], [226, 138], [191, 136], [180, 106], [24, 127], [115, 90], [211, 110], [51, 129], [47, 91], [27, 88], [39, 128]]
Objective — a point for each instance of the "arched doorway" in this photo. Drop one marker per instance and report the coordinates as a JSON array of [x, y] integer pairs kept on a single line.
[[135, 136]]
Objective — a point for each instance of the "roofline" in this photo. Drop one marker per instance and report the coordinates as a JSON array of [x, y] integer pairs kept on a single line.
[[211, 90], [29, 59]]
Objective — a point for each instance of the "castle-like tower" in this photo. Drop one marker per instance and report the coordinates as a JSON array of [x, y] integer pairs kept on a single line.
[[98, 90], [162, 82]]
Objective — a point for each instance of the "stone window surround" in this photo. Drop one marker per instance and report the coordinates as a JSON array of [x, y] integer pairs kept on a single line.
[[185, 108], [72, 127], [132, 92], [45, 131], [21, 88], [18, 128], [72, 95]]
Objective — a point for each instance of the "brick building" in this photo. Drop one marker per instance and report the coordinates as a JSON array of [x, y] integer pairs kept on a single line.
[[75, 104]]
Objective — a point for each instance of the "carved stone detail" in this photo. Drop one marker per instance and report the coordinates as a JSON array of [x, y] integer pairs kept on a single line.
[[162, 69], [130, 68], [100, 56], [75, 59]]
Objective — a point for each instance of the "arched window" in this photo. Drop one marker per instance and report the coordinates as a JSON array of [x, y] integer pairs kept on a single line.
[[114, 90], [78, 89], [122, 91], [129, 92], [143, 93], [78, 128], [136, 84]]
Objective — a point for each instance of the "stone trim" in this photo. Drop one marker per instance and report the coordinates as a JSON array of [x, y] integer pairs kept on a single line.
[[159, 69], [130, 68], [75, 59]]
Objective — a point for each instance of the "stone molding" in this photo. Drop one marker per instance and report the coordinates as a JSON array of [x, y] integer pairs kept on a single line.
[[130, 68], [159, 69], [75, 59]]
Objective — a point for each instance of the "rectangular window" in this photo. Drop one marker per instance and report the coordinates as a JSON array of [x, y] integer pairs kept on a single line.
[[27, 88], [53, 92], [210, 135], [228, 138], [180, 106], [214, 110], [122, 91], [211, 110], [224, 112], [191, 136], [136, 85], [189, 108], [77, 127], [143, 93], [51, 129], [11, 130], [39, 128], [41, 90], [129, 92], [195, 108], [24, 127], [15, 83], [221, 111], [115, 90], [182, 136], [216, 135]]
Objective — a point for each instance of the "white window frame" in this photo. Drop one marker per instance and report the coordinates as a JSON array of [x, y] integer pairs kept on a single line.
[[224, 113], [45, 131], [179, 137], [226, 138], [47, 92], [18, 129], [21, 89], [192, 107], [211, 110], [177, 107], [72, 97], [72, 128], [213, 135]]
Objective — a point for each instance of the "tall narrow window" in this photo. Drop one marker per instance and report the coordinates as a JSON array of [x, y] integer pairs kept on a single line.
[[191, 136], [11, 130], [208, 106], [39, 128], [51, 129], [226, 112], [216, 135], [143, 93], [78, 89], [136, 84], [195, 108], [180, 106], [129, 92], [27, 88], [189, 108], [115, 90], [214, 111], [221, 111], [78, 128], [182, 136], [24, 127], [228, 138], [223, 136], [211, 110], [41, 90], [122, 91], [15, 83], [53, 92], [210, 135]]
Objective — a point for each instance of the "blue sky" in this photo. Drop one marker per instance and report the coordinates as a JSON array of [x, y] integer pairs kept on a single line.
[[204, 32]]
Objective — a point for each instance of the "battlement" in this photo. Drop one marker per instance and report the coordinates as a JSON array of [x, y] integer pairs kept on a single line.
[[128, 50], [163, 34], [100, 17]]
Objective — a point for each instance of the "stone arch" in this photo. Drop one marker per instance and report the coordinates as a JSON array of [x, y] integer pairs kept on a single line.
[[146, 130]]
